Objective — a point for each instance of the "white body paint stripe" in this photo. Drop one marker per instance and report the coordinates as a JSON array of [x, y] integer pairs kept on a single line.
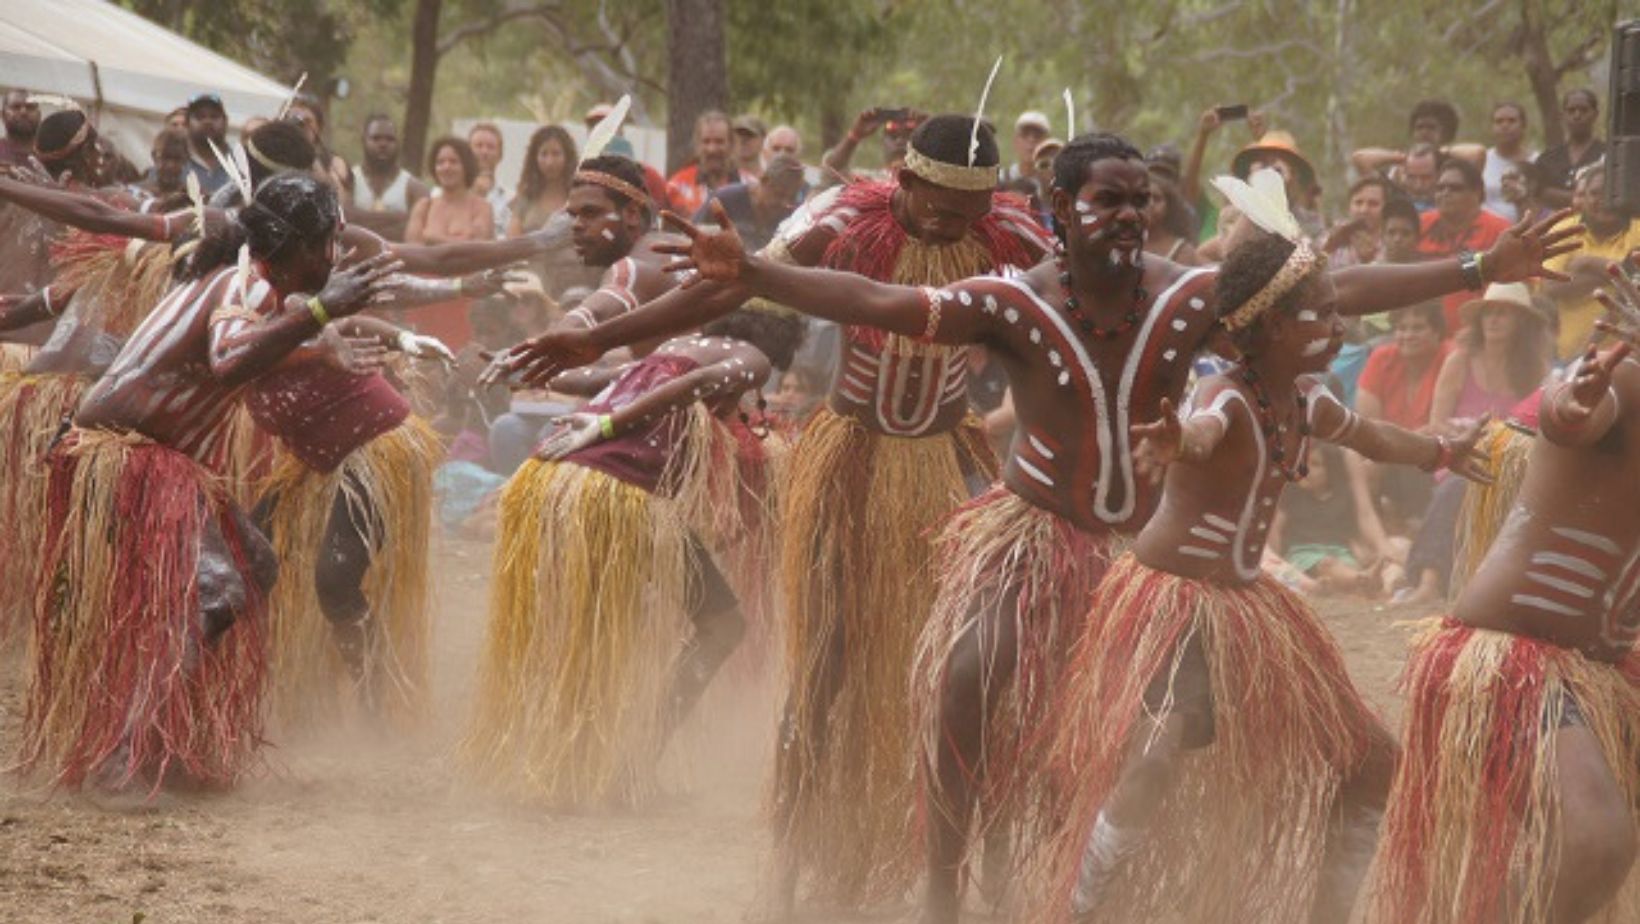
[[1546, 605], [1570, 563], [1029, 469], [1592, 540], [1560, 584]]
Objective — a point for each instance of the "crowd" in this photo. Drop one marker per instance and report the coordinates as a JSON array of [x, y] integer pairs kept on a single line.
[[999, 450]]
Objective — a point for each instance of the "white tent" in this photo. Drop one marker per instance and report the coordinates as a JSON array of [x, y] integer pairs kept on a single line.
[[125, 69]]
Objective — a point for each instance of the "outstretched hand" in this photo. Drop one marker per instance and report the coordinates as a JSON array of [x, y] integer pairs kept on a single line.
[[1467, 461], [1520, 252], [571, 434], [533, 363], [352, 288], [1594, 377], [421, 346], [1157, 444], [492, 282], [716, 255], [359, 355]]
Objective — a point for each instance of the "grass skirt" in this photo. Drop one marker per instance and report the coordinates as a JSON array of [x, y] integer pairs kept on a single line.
[[1473, 816], [1241, 833], [32, 411], [1003, 557], [1485, 507], [388, 482], [124, 687], [859, 588]]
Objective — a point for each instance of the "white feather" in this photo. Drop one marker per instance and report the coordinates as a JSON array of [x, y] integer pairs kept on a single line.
[[241, 159], [1263, 202], [1070, 115], [979, 113], [604, 132], [243, 182], [290, 100], [242, 276], [197, 197]]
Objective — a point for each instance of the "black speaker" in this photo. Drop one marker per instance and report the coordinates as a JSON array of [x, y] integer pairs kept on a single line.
[[1623, 124]]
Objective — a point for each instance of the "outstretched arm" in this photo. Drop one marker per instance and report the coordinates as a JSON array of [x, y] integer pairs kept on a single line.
[[1167, 439], [18, 311], [1383, 441], [1518, 255], [89, 213]]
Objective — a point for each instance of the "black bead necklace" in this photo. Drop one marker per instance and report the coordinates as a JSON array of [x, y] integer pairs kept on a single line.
[[1274, 431], [1072, 308], [763, 419]]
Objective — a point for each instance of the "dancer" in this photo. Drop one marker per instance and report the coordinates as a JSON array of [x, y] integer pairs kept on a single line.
[[625, 549], [148, 654], [1516, 799], [1087, 351]]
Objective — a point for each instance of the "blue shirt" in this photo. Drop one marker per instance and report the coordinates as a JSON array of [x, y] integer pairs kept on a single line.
[[212, 177]]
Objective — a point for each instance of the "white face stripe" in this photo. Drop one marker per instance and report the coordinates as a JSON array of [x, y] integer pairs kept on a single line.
[[1317, 347], [1307, 315], [607, 234]]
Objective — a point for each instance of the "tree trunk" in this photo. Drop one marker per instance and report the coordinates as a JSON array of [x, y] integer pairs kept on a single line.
[[1540, 71], [418, 107], [697, 72]]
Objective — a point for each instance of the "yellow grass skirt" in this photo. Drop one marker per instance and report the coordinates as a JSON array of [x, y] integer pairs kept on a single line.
[[857, 521], [32, 411], [1485, 507], [390, 477]]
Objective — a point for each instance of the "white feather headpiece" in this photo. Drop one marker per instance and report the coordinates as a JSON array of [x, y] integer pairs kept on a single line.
[[979, 113], [1263, 201], [604, 132], [295, 91], [1070, 114]]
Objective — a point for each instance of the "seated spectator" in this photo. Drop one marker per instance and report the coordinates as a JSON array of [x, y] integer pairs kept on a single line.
[[1398, 385], [457, 213], [1401, 232], [1316, 529], [1500, 356], [1558, 166], [799, 394], [1459, 222], [757, 207], [1357, 239], [543, 183], [1608, 236], [1523, 190]]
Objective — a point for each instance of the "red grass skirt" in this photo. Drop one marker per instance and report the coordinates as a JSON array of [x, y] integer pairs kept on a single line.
[[124, 686], [1001, 557], [1240, 836], [1473, 817], [32, 410]]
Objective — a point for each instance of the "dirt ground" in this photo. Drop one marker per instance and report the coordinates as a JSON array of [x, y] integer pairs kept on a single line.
[[355, 826]]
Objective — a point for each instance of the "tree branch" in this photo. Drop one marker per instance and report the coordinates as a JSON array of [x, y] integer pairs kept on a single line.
[[1257, 51], [456, 36], [1580, 57]]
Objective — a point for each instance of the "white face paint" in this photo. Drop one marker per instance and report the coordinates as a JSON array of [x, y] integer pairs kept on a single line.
[[1115, 258], [1091, 222], [1133, 257], [1317, 347], [1083, 207], [1307, 315], [612, 216], [607, 234]]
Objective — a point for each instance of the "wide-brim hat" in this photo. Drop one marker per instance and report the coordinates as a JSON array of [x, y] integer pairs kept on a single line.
[[1274, 142], [1508, 294]]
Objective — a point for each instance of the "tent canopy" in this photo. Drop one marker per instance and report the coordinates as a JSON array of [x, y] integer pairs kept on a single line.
[[99, 53]]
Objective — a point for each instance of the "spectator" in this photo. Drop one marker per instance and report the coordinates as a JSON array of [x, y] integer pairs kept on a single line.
[[1433, 122], [457, 213], [799, 394], [1501, 355], [384, 193], [1278, 151], [1508, 149], [207, 125], [1318, 530], [712, 167], [117, 169], [1030, 130], [177, 119], [1432, 127], [485, 140], [1459, 222], [1558, 166], [1523, 189], [1418, 175], [1608, 237], [749, 132], [1357, 240], [307, 112], [1400, 236], [1170, 223], [164, 184], [896, 135], [757, 207], [782, 139], [543, 183], [22, 120], [1398, 383]]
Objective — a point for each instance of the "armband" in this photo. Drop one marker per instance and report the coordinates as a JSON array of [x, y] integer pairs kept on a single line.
[[1469, 263], [1443, 455], [458, 285], [317, 309], [606, 425], [931, 303], [45, 296]]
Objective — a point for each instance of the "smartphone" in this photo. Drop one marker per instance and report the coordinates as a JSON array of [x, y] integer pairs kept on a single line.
[[1229, 113], [894, 115]]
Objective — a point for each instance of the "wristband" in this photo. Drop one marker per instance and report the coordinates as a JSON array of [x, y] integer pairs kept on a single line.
[[1469, 263], [1443, 455], [458, 285], [606, 425], [317, 309]]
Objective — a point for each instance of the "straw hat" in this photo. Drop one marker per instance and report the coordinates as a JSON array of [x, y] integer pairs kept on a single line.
[[1274, 142], [1508, 294]]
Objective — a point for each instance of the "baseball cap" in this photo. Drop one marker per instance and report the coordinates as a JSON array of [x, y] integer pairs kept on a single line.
[[205, 99], [749, 125], [1032, 119], [597, 112]]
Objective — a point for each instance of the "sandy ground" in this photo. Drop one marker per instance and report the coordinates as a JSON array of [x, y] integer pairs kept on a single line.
[[353, 826]]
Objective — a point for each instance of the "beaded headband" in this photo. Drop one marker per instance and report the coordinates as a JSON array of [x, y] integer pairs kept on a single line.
[[951, 176], [612, 182], [1298, 265]]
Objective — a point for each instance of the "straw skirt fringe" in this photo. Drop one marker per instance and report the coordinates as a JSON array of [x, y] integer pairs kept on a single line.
[[33, 409]]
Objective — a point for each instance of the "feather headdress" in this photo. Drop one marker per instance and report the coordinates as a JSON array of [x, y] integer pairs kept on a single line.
[[295, 91], [1263, 201], [1070, 114], [979, 112], [239, 171], [604, 132]]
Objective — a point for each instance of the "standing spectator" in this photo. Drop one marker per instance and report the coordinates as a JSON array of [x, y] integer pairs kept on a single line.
[[782, 139], [1433, 122], [749, 132], [207, 125], [1459, 222], [1400, 236], [1558, 166], [307, 112], [1501, 355], [457, 213], [1278, 151], [1357, 240], [1608, 237], [712, 167], [1419, 174], [22, 120], [1508, 149], [177, 119], [757, 207], [896, 136], [485, 140], [164, 184], [1170, 224], [1523, 189], [383, 192], [1030, 130], [543, 183]]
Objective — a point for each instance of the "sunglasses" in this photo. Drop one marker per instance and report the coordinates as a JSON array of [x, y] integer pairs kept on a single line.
[[1451, 187]]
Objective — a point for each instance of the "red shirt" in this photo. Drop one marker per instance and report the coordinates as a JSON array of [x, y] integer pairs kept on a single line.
[[1482, 233], [1387, 378], [687, 193]]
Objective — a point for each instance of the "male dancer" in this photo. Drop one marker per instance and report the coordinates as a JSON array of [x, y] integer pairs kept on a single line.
[[1516, 798], [893, 452], [1082, 342], [148, 639]]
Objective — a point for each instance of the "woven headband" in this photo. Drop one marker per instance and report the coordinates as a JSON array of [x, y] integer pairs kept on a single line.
[[266, 161], [1298, 265], [67, 150], [951, 176], [612, 182]]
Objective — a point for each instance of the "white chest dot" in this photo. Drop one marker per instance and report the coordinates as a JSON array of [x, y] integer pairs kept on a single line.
[[965, 298], [1197, 304], [990, 304], [1036, 335], [1064, 377], [1010, 315], [1170, 354], [1055, 358], [1179, 324]]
